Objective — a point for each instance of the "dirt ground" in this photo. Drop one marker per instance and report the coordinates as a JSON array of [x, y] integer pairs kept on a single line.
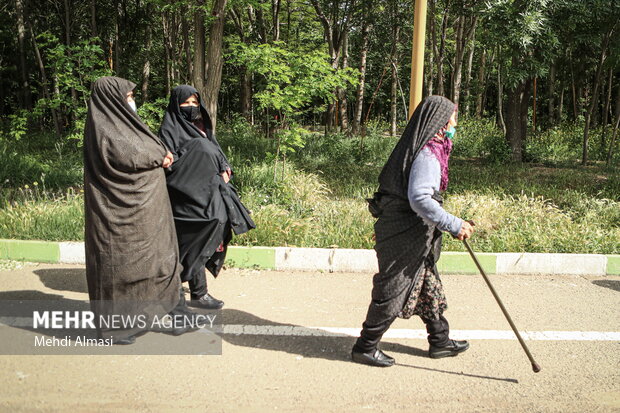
[[265, 373]]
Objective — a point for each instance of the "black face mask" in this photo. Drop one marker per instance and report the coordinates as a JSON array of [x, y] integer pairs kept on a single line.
[[191, 113]]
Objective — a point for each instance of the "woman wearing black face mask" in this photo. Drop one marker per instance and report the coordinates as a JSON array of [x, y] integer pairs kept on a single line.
[[205, 205]]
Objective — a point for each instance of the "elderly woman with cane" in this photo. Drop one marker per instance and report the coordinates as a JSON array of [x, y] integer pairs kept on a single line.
[[410, 222]]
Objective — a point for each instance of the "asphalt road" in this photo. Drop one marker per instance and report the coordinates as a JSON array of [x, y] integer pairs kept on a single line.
[[262, 369]]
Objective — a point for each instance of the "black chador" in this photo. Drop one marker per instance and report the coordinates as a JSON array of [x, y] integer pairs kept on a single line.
[[206, 209]]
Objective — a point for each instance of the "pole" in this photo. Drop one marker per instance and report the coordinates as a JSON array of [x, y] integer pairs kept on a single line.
[[417, 55]]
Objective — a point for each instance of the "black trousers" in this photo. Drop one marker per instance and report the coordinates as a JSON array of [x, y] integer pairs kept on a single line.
[[198, 284], [377, 324]]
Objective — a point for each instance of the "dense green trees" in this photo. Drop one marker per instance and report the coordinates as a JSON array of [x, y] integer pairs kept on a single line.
[[530, 64]]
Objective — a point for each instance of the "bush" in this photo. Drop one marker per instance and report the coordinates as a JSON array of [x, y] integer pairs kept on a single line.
[[55, 168], [152, 113], [317, 198], [480, 138], [556, 145]]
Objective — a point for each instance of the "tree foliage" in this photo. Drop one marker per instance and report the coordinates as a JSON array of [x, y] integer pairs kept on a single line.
[[528, 64]]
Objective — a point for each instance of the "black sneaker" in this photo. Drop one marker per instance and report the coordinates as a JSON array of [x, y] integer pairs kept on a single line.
[[453, 348], [207, 302]]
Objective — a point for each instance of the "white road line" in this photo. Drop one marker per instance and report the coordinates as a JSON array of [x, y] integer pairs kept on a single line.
[[284, 330], [302, 331]]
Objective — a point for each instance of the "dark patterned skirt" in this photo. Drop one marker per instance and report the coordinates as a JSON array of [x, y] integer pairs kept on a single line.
[[427, 298]]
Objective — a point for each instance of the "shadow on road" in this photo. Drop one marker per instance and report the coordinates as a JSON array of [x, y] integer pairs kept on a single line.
[[611, 284], [64, 279], [476, 376], [22, 303], [324, 345]]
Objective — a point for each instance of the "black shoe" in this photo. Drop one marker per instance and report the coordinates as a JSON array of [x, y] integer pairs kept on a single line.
[[124, 341], [175, 323], [183, 310], [452, 349], [207, 302], [375, 358]]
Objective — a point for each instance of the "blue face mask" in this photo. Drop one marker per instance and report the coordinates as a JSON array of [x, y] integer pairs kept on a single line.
[[132, 105], [449, 133]]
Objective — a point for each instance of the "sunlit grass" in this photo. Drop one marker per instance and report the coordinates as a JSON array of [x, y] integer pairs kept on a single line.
[[317, 198]]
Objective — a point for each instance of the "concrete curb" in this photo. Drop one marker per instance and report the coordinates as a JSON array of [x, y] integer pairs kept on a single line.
[[345, 260]]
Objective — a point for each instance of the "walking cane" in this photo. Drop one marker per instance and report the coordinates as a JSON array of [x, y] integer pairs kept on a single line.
[[535, 365]]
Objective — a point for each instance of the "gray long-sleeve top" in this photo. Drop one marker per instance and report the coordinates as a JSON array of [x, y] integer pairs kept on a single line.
[[424, 180]]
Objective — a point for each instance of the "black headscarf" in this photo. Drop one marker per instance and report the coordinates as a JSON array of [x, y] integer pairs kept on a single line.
[[177, 129], [432, 114]]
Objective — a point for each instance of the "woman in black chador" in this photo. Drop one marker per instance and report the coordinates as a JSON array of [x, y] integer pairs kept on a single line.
[[205, 205], [410, 221], [132, 259]]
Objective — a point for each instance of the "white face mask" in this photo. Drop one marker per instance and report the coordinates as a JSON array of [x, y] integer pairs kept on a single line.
[[132, 105]]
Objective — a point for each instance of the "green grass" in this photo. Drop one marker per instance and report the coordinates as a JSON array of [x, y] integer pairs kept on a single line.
[[317, 198], [33, 214]]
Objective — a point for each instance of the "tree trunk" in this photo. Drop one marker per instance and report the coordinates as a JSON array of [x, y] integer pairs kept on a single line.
[[465, 32], [359, 101], [117, 41], [215, 61], [534, 108], [246, 93], [597, 82], [481, 87], [606, 109], [74, 97], [198, 74], [470, 63], [342, 92], [333, 30], [245, 77], [46, 92], [610, 84], [432, 49], [189, 64], [260, 23], [612, 141], [440, 54], [500, 94], [93, 18], [275, 11], [560, 110], [288, 21], [167, 51], [552, 95], [516, 118], [25, 99], [176, 54], [455, 89], [146, 67], [573, 88], [394, 89]]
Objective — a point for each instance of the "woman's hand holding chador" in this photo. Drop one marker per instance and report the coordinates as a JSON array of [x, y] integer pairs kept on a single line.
[[168, 160]]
